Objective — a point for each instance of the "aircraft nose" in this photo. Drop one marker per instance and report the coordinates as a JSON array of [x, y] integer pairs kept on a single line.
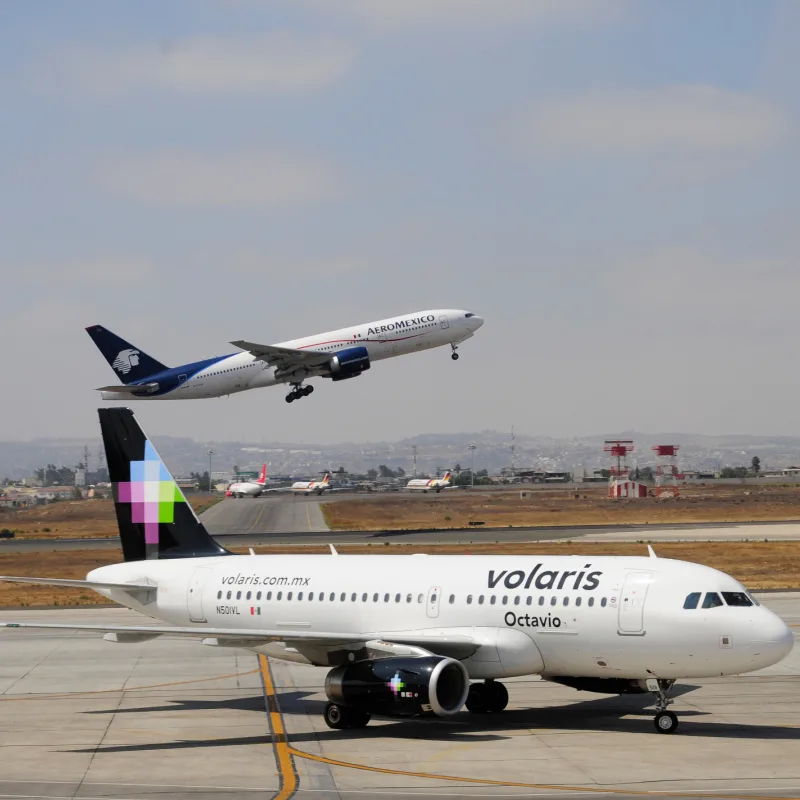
[[477, 321], [773, 639]]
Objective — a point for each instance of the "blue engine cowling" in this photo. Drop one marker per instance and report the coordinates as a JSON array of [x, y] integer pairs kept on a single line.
[[348, 363]]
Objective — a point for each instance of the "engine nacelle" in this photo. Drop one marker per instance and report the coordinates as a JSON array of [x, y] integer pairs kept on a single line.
[[400, 687], [348, 363]]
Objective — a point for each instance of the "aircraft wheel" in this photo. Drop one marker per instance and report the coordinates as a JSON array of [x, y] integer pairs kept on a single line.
[[666, 722], [477, 699], [498, 696], [454, 356], [358, 719], [338, 717], [307, 391], [290, 397]]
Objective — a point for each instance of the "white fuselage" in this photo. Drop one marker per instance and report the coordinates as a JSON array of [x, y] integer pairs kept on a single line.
[[387, 338], [608, 617], [428, 485], [246, 489], [310, 487]]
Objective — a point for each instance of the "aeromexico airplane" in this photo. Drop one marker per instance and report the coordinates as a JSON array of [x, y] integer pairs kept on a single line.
[[337, 355], [419, 635]]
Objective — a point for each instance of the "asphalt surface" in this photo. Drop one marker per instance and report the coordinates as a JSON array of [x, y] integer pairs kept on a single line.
[[84, 718]]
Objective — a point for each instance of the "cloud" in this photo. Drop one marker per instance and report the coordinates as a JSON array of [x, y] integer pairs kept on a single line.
[[398, 14], [696, 118], [281, 61], [191, 180]]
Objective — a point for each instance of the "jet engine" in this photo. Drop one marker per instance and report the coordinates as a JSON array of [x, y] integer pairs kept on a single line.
[[348, 363], [400, 687]]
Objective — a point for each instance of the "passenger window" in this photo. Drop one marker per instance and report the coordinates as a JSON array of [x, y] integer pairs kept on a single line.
[[299, 595], [248, 595], [433, 597], [516, 600], [258, 596], [386, 598], [480, 600], [279, 595], [469, 599], [397, 597], [452, 599], [529, 600], [409, 598], [332, 596], [590, 601], [353, 597], [321, 596], [375, 598], [420, 598], [505, 599], [692, 600], [238, 595], [229, 595], [541, 600], [343, 596], [492, 599], [269, 595], [736, 599], [289, 596], [712, 600], [553, 600], [310, 596], [566, 601], [219, 595], [577, 601], [364, 597], [603, 602]]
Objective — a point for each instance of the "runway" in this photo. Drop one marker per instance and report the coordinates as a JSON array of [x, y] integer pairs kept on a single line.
[[83, 718]]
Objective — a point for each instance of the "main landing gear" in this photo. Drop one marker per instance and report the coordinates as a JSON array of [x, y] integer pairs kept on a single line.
[[665, 721], [298, 392], [339, 717], [487, 697], [454, 356]]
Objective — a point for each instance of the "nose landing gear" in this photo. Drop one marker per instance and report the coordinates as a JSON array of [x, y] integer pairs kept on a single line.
[[298, 392], [664, 721], [454, 355]]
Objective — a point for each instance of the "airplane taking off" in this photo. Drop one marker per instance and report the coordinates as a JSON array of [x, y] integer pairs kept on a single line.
[[404, 635], [312, 487], [432, 485], [337, 355], [249, 488]]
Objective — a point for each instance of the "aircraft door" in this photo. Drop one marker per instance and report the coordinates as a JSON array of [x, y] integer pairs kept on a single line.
[[444, 323], [631, 603], [434, 595], [181, 381], [195, 594]]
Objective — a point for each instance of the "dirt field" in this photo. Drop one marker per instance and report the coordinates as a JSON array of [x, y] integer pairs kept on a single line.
[[759, 565], [74, 519], [552, 507]]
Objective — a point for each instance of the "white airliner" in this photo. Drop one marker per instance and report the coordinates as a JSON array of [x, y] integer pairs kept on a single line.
[[249, 488], [429, 485], [406, 635], [312, 487], [337, 355]]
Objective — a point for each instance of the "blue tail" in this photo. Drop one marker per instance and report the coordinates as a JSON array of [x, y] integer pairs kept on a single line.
[[130, 363]]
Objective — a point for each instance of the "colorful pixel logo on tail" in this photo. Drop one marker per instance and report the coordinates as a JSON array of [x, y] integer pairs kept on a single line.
[[152, 494]]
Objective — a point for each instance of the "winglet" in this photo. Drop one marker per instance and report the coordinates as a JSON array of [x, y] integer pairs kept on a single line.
[[652, 552], [333, 550]]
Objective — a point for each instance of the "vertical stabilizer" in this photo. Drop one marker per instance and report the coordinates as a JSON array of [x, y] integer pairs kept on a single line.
[[154, 519]]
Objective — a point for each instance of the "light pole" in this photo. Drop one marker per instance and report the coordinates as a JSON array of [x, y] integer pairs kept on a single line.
[[473, 448], [210, 453]]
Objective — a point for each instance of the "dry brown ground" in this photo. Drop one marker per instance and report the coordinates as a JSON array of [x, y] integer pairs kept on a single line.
[[759, 565], [553, 507], [74, 519]]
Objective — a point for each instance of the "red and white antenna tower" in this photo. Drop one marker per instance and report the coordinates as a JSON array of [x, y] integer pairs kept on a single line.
[[618, 450], [667, 475]]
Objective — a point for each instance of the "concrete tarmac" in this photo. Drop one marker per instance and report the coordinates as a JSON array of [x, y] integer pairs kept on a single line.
[[84, 718]]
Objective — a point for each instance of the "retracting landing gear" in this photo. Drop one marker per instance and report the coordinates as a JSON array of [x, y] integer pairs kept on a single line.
[[454, 355], [487, 697], [665, 721], [298, 392], [340, 717]]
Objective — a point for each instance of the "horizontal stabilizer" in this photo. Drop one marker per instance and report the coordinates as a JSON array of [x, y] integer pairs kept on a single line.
[[127, 587], [132, 389]]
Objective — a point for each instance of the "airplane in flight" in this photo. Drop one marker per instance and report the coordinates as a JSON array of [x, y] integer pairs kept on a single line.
[[249, 488], [429, 485], [419, 635], [338, 355]]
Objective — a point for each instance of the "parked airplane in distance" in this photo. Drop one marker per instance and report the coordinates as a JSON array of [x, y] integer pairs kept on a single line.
[[404, 635], [312, 487], [337, 355], [249, 488], [432, 485]]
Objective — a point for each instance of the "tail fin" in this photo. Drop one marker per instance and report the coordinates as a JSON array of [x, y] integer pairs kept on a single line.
[[130, 363], [327, 479], [154, 519], [262, 476], [447, 477]]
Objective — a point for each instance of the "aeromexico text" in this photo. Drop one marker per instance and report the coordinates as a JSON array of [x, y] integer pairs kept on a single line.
[[546, 579], [400, 324]]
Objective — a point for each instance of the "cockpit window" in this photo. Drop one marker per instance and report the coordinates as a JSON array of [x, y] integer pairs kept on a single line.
[[737, 599], [712, 600], [692, 600], [469, 314]]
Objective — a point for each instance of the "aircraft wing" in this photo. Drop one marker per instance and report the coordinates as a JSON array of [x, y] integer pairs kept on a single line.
[[455, 646], [284, 357], [132, 388], [78, 584]]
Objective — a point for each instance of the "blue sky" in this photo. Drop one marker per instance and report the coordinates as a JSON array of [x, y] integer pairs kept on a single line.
[[611, 184]]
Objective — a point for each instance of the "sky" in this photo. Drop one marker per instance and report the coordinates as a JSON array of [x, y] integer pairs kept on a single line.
[[612, 185]]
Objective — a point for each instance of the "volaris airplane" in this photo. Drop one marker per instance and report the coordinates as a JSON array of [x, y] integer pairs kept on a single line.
[[417, 634], [337, 355]]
